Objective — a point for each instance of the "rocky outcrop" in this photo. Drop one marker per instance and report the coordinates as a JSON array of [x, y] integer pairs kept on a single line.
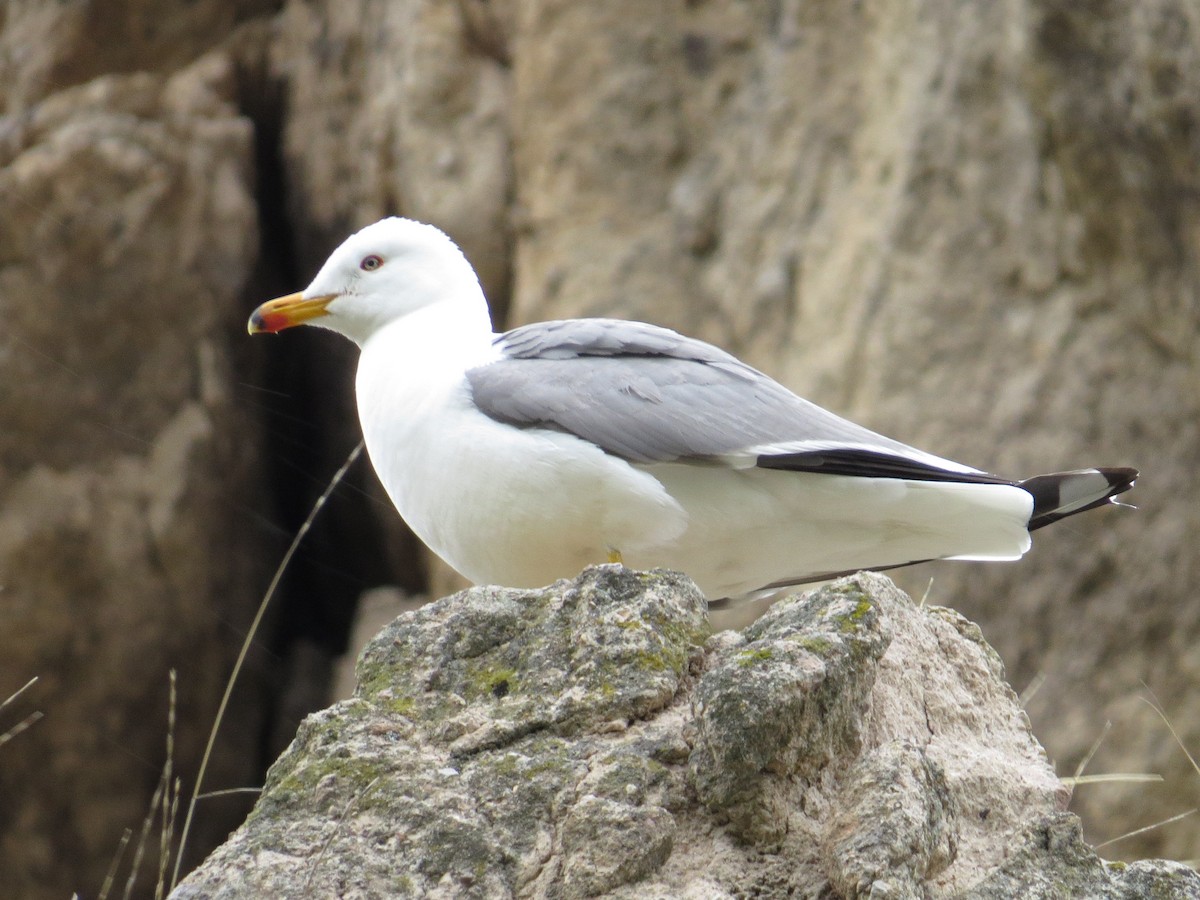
[[590, 739]]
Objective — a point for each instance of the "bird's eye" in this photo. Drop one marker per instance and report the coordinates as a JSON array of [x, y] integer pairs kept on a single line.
[[370, 263]]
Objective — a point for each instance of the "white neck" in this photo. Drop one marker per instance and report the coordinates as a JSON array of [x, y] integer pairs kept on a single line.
[[411, 390], [415, 360], [437, 335]]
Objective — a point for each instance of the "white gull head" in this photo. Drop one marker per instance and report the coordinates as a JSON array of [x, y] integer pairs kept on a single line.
[[381, 274]]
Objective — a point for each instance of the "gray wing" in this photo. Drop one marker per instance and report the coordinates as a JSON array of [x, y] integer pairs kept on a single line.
[[649, 394]]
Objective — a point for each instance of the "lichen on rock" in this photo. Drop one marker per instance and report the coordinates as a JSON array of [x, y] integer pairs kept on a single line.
[[591, 739], [786, 702]]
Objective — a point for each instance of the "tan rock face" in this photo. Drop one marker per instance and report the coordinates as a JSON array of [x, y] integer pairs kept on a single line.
[[51, 46], [398, 107], [970, 226], [966, 226], [129, 232]]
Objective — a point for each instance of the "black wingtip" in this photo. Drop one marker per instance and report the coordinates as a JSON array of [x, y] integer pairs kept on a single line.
[[1120, 478], [1062, 494]]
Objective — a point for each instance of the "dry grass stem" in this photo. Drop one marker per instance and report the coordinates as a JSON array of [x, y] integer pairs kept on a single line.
[[30, 683], [11, 733], [170, 799], [144, 836], [1031, 690], [1087, 757], [106, 885], [1157, 707], [226, 792], [925, 596], [19, 727], [1182, 815], [241, 658], [1122, 777]]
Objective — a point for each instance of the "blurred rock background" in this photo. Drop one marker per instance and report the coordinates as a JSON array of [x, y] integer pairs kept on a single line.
[[970, 226]]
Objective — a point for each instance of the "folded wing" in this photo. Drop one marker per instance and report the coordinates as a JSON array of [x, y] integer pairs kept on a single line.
[[648, 395]]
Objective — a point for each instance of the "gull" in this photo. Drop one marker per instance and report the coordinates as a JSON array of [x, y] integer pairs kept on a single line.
[[520, 458]]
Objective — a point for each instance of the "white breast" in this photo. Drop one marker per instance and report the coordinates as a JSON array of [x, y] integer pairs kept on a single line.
[[502, 505]]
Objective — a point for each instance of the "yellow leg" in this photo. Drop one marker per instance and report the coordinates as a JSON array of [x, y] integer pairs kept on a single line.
[[614, 556]]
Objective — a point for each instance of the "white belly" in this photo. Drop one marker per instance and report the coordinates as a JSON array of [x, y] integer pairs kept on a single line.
[[502, 505]]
